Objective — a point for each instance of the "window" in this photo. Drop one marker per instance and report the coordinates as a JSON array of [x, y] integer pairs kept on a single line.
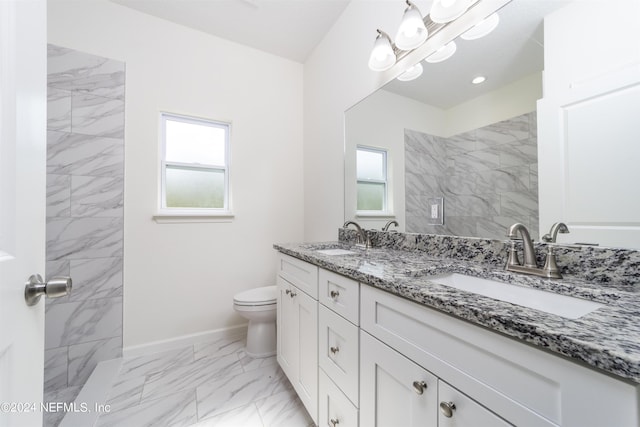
[[195, 166], [371, 173]]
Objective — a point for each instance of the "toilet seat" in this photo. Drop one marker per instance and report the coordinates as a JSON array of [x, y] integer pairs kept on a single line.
[[266, 295]]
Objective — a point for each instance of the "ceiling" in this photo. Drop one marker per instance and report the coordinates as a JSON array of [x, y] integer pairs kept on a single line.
[[287, 28]]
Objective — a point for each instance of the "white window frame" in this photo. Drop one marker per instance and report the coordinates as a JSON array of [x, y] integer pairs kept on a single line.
[[385, 203], [171, 214]]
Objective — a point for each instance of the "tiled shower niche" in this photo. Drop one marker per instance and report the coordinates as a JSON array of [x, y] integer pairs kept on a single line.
[[488, 178], [85, 202]]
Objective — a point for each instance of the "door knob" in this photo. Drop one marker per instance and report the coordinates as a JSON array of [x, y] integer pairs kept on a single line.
[[54, 288]]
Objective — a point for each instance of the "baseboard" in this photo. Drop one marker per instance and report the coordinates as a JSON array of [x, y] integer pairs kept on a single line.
[[91, 401], [184, 340]]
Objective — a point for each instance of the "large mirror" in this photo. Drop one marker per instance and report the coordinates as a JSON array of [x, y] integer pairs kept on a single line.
[[462, 158]]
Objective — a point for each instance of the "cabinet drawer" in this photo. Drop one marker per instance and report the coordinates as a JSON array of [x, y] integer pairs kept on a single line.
[[464, 411], [340, 294], [299, 273], [338, 351], [334, 407]]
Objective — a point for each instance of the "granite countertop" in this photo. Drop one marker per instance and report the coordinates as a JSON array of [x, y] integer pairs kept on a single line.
[[607, 339]]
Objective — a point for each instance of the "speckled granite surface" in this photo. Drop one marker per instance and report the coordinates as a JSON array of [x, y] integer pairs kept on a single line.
[[607, 339]]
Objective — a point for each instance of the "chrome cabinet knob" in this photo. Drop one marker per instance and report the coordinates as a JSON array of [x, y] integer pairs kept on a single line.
[[419, 386], [447, 409], [288, 291], [334, 294], [334, 350], [334, 422], [292, 294], [54, 288]]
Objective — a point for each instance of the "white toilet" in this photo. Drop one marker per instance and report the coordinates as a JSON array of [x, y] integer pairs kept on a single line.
[[259, 306]]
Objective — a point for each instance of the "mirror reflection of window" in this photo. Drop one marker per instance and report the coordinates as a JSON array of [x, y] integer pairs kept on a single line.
[[371, 173]]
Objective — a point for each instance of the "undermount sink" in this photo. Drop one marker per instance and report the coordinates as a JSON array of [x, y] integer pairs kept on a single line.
[[335, 251], [549, 302]]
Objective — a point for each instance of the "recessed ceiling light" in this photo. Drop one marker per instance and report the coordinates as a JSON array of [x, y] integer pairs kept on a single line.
[[478, 80]]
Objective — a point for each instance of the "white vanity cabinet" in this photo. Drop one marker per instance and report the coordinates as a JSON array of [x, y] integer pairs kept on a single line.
[[338, 350], [488, 376], [297, 328]]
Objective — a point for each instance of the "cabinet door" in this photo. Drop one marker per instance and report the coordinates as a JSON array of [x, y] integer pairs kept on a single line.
[[394, 391], [458, 410], [335, 409], [287, 336], [307, 378]]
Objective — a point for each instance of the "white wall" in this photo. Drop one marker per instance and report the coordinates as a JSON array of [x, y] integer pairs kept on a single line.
[[179, 279], [336, 77]]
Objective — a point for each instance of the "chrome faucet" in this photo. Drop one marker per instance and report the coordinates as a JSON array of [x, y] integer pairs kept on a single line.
[[529, 265], [363, 238], [392, 222], [558, 227]]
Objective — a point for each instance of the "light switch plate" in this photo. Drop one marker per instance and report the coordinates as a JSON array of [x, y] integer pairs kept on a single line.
[[435, 214]]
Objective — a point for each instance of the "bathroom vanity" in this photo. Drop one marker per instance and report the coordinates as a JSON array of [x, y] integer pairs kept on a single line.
[[377, 339]]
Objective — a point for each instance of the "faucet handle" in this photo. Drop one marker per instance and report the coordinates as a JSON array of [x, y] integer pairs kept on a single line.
[[512, 258], [550, 268]]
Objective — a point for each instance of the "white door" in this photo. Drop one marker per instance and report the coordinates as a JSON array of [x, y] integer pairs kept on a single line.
[[394, 391], [23, 56]]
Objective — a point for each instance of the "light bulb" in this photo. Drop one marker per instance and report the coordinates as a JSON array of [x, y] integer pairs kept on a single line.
[[412, 31], [482, 28], [382, 56], [445, 52], [444, 11], [411, 73]]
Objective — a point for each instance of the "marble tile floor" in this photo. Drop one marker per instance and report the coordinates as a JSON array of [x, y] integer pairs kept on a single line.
[[203, 385]]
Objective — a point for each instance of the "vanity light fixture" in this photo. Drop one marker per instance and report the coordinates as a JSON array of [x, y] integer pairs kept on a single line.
[[412, 73], [447, 10], [412, 31], [482, 28], [479, 79], [382, 56], [442, 54]]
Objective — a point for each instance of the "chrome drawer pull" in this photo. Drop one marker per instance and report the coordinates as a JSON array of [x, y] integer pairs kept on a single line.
[[334, 422], [419, 386], [334, 294], [334, 350]]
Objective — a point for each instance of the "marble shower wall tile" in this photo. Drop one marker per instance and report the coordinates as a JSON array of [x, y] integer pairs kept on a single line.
[[55, 369], [58, 195], [85, 73], [82, 321], [96, 115], [75, 154], [77, 238], [58, 109], [98, 196], [487, 177], [85, 185]]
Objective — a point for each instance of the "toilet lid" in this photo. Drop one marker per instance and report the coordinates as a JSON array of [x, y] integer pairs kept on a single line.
[[257, 296]]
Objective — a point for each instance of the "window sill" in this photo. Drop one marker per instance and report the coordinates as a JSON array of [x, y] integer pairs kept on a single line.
[[363, 214], [192, 217]]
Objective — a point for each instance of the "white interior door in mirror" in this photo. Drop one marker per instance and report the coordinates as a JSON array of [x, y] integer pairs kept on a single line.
[[588, 149]]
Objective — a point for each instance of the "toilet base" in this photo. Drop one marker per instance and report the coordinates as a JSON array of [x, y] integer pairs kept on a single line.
[[261, 339]]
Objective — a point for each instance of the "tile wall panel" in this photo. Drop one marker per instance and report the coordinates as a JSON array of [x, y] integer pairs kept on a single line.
[[488, 178], [85, 202]]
